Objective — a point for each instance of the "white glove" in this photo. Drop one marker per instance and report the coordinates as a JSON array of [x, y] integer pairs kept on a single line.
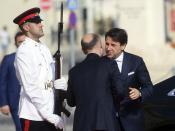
[[56, 120], [52, 118], [60, 84], [59, 123]]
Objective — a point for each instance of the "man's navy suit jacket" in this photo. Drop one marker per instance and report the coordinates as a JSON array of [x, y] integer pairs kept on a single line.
[[134, 74], [9, 85], [90, 87]]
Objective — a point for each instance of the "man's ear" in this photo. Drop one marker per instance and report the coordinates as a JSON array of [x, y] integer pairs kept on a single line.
[[26, 27], [123, 46], [84, 51]]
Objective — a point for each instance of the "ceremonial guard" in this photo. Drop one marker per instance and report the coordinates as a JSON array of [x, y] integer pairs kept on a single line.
[[35, 70]]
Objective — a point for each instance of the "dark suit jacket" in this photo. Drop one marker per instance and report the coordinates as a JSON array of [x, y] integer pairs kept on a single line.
[[9, 85], [90, 88], [135, 74]]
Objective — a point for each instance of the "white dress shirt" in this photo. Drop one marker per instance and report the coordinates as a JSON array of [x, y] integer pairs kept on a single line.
[[34, 68], [119, 61]]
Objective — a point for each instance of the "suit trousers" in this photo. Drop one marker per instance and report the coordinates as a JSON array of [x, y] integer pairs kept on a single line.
[[16, 119]]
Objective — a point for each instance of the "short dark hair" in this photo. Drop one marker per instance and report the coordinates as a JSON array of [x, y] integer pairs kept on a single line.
[[117, 35], [89, 45], [19, 33]]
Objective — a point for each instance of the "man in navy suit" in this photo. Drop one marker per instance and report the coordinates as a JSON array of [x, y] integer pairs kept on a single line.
[[137, 80], [90, 87], [9, 85]]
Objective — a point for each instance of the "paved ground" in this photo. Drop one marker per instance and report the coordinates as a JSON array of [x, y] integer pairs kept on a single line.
[[6, 123]]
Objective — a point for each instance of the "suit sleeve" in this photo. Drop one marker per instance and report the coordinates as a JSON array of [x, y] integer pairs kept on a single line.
[[146, 87], [70, 94], [3, 81]]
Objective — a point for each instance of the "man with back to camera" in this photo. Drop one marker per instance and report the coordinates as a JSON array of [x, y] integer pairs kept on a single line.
[[91, 84], [35, 70], [136, 76], [9, 85]]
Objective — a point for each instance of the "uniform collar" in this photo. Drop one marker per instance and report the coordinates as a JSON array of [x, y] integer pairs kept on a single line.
[[32, 41]]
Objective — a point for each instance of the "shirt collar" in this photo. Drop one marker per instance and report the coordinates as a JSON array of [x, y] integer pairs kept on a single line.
[[120, 58]]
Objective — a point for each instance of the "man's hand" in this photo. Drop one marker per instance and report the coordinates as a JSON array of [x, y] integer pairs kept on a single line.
[[60, 123], [60, 84], [134, 93], [5, 110], [57, 121]]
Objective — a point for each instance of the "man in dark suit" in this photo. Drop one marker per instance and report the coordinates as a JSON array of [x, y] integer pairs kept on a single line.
[[137, 80], [9, 85], [90, 87]]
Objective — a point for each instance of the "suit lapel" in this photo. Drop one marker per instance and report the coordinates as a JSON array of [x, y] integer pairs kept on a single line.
[[125, 65], [124, 74]]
